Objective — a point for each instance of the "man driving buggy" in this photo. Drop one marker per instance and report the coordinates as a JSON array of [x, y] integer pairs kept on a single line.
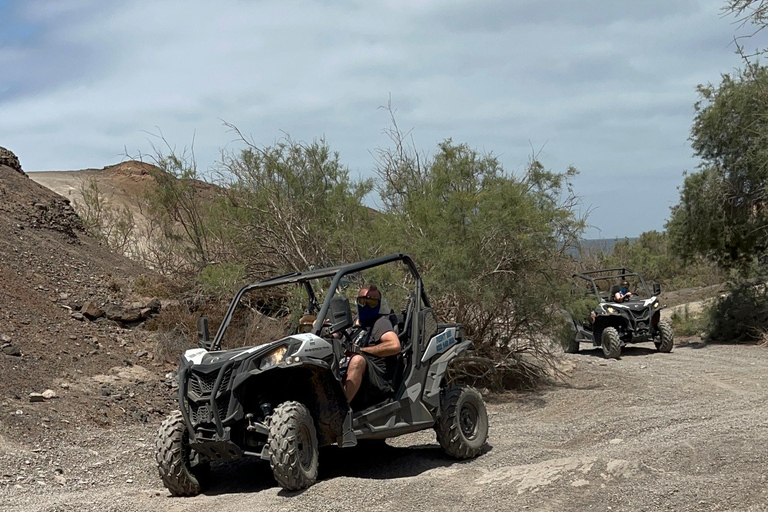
[[372, 353], [623, 293]]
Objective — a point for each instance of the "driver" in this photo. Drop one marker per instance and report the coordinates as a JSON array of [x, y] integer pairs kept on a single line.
[[623, 293], [373, 352]]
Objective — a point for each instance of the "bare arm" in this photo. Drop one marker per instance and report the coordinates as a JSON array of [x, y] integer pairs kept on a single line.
[[388, 346]]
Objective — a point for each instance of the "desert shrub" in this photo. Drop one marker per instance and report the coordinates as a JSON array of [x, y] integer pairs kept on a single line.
[[739, 316], [221, 280], [113, 225], [686, 323], [652, 256]]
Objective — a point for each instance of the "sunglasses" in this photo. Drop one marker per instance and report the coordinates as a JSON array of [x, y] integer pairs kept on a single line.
[[368, 302]]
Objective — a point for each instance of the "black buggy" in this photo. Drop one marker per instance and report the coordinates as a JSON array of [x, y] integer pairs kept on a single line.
[[611, 324], [282, 400]]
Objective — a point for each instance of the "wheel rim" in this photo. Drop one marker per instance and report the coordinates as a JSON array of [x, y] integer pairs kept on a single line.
[[468, 421], [304, 447]]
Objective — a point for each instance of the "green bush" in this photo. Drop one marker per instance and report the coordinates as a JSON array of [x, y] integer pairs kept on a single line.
[[221, 280], [740, 316], [687, 323]]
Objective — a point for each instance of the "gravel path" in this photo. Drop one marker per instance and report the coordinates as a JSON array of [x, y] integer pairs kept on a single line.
[[679, 431]]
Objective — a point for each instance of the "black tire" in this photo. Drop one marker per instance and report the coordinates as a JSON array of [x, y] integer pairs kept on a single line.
[[611, 343], [462, 428], [174, 458], [666, 337], [293, 450]]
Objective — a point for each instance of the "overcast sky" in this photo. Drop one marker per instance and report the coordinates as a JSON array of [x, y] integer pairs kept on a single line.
[[607, 86]]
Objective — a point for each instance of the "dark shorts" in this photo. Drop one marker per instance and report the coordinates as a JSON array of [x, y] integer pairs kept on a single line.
[[376, 385]]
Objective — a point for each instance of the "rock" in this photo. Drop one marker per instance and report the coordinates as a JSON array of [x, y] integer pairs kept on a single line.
[[59, 479], [153, 305], [77, 316], [91, 311], [12, 351], [36, 397], [49, 393], [64, 385], [145, 313], [141, 353], [123, 315], [5, 338], [8, 158]]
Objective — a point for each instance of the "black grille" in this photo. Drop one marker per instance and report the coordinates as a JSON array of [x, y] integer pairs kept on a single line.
[[202, 413], [202, 383]]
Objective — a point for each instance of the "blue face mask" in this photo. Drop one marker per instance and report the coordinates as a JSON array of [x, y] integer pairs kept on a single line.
[[367, 314], [624, 290]]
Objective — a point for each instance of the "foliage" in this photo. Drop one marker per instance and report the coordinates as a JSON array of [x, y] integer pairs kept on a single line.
[[293, 206], [113, 225], [741, 315], [221, 280], [652, 257], [723, 210], [686, 323], [491, 245]]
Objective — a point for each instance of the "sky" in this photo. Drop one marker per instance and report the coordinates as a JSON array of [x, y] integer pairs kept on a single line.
[[607, 87]]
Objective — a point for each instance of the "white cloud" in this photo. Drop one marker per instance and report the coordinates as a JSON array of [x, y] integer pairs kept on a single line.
[[607, 87]]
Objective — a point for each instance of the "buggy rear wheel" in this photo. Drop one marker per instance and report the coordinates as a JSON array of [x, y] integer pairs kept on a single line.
[[666, 337], [293, 450], [462, 428], [611, 343], [174, 458]]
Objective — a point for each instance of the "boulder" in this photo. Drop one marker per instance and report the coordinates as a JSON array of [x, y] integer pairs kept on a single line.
[[91, 311], [123, 315], [8, 158]]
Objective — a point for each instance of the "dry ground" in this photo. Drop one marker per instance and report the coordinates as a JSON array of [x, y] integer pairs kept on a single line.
[[679, 431]]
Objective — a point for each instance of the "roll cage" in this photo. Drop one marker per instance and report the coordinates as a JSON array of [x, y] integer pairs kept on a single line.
[[608, 274], [337, 273]]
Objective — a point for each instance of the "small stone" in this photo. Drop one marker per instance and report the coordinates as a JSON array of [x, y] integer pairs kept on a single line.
[[36, 397], [5, 338], [129, 481], [59, 479], [579, 483], [77, 315], [643, 367], [616, 441], [19, 412], [49, 393], [12, 351], [64, 385], [141, 353]]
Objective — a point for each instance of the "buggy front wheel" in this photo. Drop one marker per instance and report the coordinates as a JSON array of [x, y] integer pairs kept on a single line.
[[175, 458], [611, 343], [293, 448], [462, 428], [666, 337]]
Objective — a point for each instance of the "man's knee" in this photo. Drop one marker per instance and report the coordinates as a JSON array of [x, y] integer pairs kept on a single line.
[[356, 364]]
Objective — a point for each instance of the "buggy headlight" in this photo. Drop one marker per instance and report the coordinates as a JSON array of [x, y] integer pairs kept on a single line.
[[656, 305], [610, 310], [273, 358]]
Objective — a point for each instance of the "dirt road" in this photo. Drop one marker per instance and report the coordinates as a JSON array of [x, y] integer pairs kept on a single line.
[[679, 431]]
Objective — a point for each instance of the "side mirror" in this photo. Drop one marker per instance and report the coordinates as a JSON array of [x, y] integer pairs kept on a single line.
[[340, 314], [203, 338], [656, 289]]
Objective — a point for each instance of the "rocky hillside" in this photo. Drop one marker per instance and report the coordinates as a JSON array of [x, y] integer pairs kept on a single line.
[[66, 307]]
